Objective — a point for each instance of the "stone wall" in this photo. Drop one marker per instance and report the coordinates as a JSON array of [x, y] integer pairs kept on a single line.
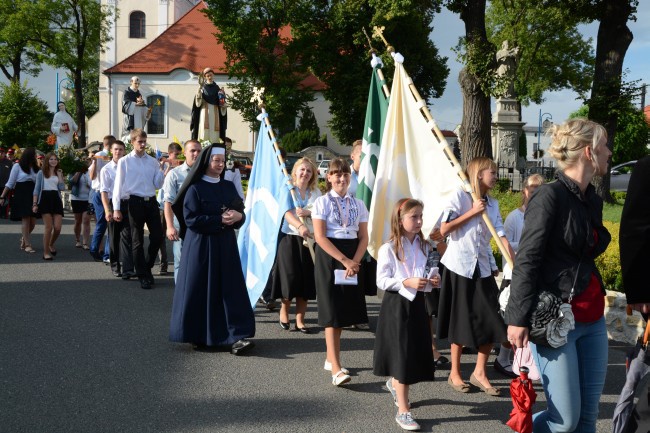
[[620, 326]]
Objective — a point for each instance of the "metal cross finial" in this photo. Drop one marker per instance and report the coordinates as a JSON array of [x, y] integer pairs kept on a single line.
[[378, 32], [257, 95]]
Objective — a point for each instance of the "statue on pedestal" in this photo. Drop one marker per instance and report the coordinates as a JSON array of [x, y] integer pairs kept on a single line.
[[209, 110], [63, 126], [507, 60], [136, 113]]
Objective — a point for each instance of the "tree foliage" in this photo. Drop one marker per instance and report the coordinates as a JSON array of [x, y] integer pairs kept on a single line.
[[339, 57], [18, 52], [553, 55], [24, 118], [307, 134], [75, 32], [261, 52]]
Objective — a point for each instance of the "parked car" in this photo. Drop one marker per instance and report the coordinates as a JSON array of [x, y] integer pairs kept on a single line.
[[620, 176], [322, 168], [244, 164]]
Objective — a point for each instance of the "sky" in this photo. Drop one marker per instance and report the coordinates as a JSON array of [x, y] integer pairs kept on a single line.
[[448, 110]]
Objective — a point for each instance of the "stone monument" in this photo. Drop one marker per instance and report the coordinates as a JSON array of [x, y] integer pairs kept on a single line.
[[506, 124]]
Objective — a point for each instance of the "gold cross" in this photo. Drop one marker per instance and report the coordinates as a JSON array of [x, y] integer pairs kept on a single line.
[[378, 32], [257, 95]]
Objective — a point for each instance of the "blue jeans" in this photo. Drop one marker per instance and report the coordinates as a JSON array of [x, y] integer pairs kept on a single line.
[[100, 226], [573, 377], [176, 247]]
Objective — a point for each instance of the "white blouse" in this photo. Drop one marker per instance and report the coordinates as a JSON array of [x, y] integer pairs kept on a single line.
[[51, 183], [392, 272], [341, 214], [18, 175], [307, 204]]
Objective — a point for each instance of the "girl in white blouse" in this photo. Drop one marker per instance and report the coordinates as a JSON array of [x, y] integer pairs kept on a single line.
[[403, 348], [341, 232]]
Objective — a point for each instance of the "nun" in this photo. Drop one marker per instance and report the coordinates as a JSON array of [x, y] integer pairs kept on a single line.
[[211, 307]]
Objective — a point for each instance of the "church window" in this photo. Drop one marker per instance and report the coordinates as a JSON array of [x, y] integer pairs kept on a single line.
[[137, 25], [156, 123]]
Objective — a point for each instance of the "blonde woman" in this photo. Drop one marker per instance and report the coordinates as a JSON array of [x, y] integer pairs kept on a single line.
[[293, 276], [563, 235]]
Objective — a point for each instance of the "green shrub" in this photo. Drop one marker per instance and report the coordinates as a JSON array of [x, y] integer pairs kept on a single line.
[[609, 263]]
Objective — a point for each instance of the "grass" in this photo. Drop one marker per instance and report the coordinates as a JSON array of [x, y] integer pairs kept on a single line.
[[612, 212]]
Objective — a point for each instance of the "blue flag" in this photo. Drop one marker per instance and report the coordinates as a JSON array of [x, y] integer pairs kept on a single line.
[[267, 200]]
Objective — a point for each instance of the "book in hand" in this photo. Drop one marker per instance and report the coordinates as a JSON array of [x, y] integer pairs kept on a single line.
[[340, 278]]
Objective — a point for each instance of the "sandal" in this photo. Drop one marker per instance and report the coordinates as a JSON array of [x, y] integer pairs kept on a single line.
[[29, 249], [22, 243], [340, 378], [77, 244], [52, 251]]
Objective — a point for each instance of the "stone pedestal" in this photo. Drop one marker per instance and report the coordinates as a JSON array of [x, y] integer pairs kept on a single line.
[[506, 130]]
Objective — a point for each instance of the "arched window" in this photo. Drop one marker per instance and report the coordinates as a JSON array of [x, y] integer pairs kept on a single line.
[[156, 123], [137, 25]]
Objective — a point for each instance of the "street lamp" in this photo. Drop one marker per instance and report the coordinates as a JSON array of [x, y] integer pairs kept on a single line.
[[546, 124], [64, 89]]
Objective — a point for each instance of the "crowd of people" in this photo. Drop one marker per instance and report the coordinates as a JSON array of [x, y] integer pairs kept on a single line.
[[444, 278]]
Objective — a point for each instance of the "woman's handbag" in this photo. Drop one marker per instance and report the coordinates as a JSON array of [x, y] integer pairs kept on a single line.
[[552, 318], [524, 358]]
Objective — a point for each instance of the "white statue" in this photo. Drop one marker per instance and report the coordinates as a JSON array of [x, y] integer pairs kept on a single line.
[[63, 126], [134, 108], [507, 60]]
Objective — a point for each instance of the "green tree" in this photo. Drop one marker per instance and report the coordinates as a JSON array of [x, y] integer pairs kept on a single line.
[[90, 90], [24, 118], [18, 52], [261, 52], [553, 55], [76, 31], [337, 52], [308, 121], [632, 134]]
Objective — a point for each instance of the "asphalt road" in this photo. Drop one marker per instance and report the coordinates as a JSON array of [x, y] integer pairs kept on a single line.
[[83, 351]]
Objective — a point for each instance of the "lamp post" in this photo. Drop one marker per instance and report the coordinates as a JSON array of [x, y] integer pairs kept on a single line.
[[64, 89], [546, 124]]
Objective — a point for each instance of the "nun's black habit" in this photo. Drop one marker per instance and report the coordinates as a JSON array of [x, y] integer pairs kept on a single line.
[[211, 305]]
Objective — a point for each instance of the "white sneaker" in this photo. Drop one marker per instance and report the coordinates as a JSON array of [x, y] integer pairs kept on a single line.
[[328, 367], [340, 378], [406, 421]]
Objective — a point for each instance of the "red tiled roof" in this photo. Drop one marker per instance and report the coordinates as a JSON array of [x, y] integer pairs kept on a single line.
[[188, 44], [646, 112], [448, 133]]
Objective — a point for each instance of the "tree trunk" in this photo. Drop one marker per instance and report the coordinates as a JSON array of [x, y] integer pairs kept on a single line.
[[475, 139], [475, 129], [81, 109], [614, 38]]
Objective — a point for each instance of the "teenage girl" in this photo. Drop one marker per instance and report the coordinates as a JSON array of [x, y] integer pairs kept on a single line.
[[341, 233], [48, 202], [403, 340], [468, 312]]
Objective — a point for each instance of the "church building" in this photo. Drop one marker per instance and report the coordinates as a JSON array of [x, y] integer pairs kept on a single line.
[[167, 43]]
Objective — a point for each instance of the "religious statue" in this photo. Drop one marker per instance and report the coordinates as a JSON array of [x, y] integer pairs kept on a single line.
[[134, 108], [507, 60], [63, 126], [209, 110]]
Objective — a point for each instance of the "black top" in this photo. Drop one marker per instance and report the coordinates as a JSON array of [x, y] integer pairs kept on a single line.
[[634, 235], [558, 234]]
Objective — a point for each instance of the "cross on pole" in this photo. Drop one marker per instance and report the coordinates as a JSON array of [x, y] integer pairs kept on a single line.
[[257, 95]]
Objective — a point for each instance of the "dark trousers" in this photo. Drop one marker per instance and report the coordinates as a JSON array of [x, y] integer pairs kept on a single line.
[[163, 243], [144, 211], [119, 235]]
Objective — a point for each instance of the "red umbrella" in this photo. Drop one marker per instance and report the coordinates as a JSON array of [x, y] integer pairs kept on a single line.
[[523, 397]]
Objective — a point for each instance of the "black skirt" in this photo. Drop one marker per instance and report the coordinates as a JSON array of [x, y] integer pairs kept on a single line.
[[50, 203], [338, 306], [293, 272], [468, 311], [403, 340], [21, 202], [79, 206]]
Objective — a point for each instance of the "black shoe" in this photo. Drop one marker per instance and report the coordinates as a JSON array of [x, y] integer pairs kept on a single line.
[[284, 326], [116, 272], [303, 330], [241, 347], [501, 369], [145, 284], [150, 278], [270, 305], [95, 255], [163, 271], [128, 274], [442, 360]]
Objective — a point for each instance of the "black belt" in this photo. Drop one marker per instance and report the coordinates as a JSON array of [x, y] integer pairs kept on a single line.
[[138, 199]]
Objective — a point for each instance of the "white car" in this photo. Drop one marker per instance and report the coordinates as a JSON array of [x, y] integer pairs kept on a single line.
[[322, 168]]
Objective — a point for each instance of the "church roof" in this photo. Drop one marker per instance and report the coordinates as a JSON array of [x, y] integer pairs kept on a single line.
[[188, 44]]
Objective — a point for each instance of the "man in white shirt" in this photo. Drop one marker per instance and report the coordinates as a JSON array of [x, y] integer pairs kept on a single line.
[[355, 156], [96, 200], [119, 233], [137, 178], [173, 182]]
